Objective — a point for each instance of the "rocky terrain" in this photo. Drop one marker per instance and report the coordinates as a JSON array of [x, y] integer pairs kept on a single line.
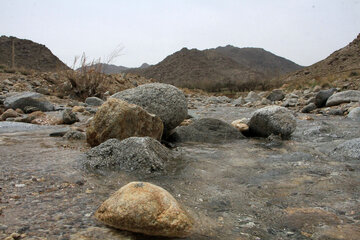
[[147, 160], [334, 70], [223, 67], [26, 54]]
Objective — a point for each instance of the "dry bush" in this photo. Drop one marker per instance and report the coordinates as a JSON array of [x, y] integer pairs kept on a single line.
[[89, 78]]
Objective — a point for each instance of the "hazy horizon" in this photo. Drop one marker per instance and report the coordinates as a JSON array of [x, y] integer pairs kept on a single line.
[[304, 32]]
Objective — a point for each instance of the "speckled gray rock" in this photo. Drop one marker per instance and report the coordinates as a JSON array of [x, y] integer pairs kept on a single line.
[[69, 117], [343, 97], [74, 135], [322, 96], [239, 101], [308, 108], [141, 154], [94, 101], [349, 149], [252, 97], [272, 120], [24, 99], [206, 130], [276, 95], [354, 114], [163, 100]]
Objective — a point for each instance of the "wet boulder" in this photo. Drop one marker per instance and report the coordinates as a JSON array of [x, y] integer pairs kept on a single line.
[[343, 97], [145, 208], [119, 119], [207, 130], [24, 99], [276, 95], [94, 101], [354, 114], [349, 149], [140, 154], [163, 100], [272, 120], [322, 96]]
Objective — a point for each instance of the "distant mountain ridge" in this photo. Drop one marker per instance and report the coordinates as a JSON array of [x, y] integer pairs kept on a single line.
[[344, 60], [23, 53], [222, 67], [113, 69]]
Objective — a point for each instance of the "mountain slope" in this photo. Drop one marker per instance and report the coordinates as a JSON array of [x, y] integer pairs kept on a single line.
[[341, 63], [223, 67], [28, 54]]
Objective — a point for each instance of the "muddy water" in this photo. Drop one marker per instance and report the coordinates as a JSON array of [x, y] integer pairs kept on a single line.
[[238, 190]]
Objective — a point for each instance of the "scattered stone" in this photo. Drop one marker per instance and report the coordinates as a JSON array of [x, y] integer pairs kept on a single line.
[[349, 149], [119, 119], [74, 135], [59, 133], [322, 96], [239, 101], [21, 100], [32, 116], [186, 122], [18, 110], [252, 97], [78, 109], [94, 101], [276, 95], [272, 120], [308, 108], [145, 208], [240, 125], [354, 114], [30, 109], [291, 102], [141, 154], [338, 112], [343, 97], [10, 113], [206, 130], [69, 117], [218, 100], [163, 100]]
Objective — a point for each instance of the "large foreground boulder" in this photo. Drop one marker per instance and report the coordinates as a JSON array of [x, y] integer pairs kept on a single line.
[[207, 130], [25, 99], [145, 208], [163, 100], [343, 97], [141, 154], [119, 119], [272, 120]]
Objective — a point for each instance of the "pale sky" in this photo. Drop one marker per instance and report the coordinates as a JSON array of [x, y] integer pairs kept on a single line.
[[304, 31]]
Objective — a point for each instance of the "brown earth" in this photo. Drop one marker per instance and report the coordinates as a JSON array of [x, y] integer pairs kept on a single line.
[[223, 67], [26, 54], [341, 68]]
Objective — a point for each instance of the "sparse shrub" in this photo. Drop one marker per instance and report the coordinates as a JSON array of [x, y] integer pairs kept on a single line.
[[89, 79]]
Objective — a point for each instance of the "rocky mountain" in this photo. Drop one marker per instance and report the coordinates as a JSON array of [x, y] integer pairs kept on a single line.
[[223, 67], [22, 53], [341, 64]]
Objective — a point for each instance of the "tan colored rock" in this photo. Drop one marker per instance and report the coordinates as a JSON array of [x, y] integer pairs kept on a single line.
[[119, 119], [34, 115], [10, 113], [78, 109], [186, 122], [240, 125], [145, 208]]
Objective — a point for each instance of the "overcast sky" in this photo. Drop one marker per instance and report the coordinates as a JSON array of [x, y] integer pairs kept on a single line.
[[304, 31]]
